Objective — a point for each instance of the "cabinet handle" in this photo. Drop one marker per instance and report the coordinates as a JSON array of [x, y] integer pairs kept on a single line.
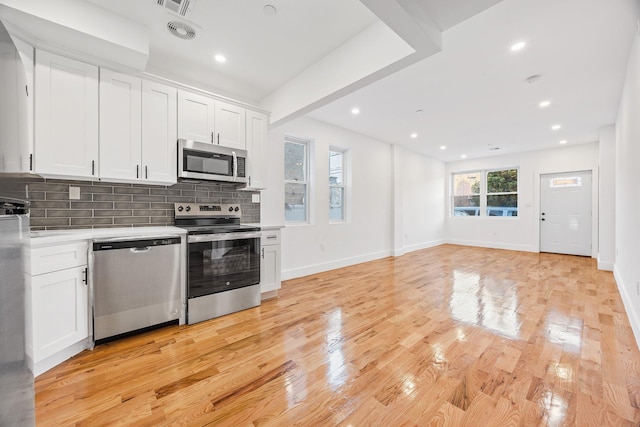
[[218, 138], [271, 237], [146, 171], [85, 275], [262, 253], [30, 162], [212, 137], [137, 171], [249, 181], [26, 89], [93, 167]]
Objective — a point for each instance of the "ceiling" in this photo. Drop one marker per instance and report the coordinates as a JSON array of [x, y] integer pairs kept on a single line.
[[472, 92]]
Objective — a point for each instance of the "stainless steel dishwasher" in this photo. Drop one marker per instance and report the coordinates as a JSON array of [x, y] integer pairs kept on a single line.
[[136, 284]]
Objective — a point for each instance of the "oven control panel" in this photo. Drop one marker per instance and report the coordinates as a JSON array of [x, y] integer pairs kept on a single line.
[[206, 210]]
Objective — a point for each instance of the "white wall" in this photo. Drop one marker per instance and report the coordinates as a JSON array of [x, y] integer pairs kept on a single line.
[[627, 198], [320, 246], [419, 201], [521, 233], [607, 208]]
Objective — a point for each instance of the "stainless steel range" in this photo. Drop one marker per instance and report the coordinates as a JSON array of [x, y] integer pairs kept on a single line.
[[223, 260]]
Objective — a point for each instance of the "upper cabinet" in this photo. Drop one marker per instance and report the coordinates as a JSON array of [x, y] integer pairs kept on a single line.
[[137, 129], [159, 133], [256, 149], [66, 117], [120, 126], [205, 119]]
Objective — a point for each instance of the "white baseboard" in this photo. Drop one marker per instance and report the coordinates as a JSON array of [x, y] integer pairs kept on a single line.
[[605, 265], [54, 360], [417, 247], [492, 245], [632, 314], [332, 265]]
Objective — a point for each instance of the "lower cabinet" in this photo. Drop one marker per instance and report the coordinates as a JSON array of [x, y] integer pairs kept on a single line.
[[57, 304], [270, 279]]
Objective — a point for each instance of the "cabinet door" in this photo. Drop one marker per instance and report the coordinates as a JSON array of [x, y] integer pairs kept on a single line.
[[60, 311], [230, 125], [195, 117], [120, 126], [66, 117], [159, 133], [256, 149], [270, 268]]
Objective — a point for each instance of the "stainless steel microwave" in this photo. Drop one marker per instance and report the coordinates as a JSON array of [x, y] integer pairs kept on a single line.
[[204, 161]]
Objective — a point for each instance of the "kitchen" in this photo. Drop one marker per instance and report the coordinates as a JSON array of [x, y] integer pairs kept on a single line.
[[135, 190]]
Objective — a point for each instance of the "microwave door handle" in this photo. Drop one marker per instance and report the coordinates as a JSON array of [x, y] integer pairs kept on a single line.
[[235, 165]]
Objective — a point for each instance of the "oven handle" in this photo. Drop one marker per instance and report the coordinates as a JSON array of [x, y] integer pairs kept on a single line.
[[235, 165], [199, 238]]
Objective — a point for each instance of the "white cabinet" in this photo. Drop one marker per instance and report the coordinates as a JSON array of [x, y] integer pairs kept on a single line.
[[270, 274], [256, 135], [57, 303], [137, 129], [205, 119], [159, 133], [66, 117], [16, 103], [120, 126], [229, 129]]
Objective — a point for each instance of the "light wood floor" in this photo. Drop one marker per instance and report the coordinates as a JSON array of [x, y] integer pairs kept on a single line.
[[444, 336]]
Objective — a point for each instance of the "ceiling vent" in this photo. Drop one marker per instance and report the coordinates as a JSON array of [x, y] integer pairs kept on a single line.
[[180, 29], [179, 7]]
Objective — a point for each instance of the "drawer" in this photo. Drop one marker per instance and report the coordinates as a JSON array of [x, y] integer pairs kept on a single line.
[[59, 257], [271, 237]]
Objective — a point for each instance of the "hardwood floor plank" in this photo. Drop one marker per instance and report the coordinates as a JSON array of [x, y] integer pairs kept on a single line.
[[447, 336]]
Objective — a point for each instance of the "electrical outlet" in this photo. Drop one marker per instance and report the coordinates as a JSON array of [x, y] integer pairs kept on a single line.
[[255, 198], [74, 193]]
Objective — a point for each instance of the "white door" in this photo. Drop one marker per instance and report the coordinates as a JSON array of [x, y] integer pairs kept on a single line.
[[256, 148], [120, 118], [159, 133], [230, 125], [66, 116], [565, 213], [196, 117]]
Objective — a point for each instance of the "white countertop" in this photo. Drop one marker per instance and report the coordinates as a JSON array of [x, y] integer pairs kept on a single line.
[[39, 238]]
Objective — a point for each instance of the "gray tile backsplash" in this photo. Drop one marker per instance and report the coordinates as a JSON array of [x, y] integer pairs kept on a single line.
[[105, 204]]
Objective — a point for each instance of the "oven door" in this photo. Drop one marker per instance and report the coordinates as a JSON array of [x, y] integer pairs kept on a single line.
[[222, 262]]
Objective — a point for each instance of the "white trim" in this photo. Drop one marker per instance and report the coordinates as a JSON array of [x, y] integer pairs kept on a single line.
[[332, 265], [605, 265], [492, 245], [419, 246], [628, 306], [55, 359]]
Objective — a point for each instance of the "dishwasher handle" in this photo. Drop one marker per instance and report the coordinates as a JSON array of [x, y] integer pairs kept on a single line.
[[144, 243], [140, 250]]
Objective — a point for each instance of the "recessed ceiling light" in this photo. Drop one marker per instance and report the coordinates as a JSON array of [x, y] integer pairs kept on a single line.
[[518, 46], [544, 104], [564, 141], [414, 135], [220, 58], [355, 111], [556, 127], [443, 147], [464, 156], [418, 111]]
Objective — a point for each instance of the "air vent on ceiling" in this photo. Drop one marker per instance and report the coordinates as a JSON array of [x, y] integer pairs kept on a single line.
[[179, 7], [181, 30]]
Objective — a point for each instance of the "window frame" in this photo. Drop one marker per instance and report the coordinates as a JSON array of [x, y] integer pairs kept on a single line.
[[484, 192], [307, 144], [344, 186]]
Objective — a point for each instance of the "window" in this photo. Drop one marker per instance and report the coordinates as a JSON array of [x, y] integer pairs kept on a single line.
[[466, 194], [486, 193], [502, 192], [337, 192], [296, 180]]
